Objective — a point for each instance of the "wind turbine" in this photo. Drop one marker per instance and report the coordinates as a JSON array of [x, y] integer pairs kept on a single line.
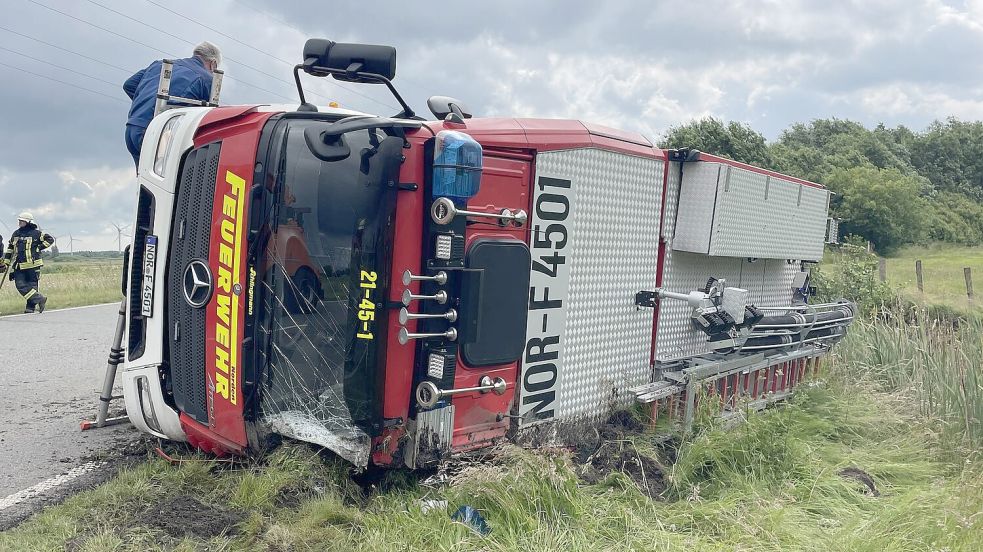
[[71, 244], [119, 235]]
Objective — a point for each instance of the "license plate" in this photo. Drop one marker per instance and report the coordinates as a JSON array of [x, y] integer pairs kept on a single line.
[[149, 266]]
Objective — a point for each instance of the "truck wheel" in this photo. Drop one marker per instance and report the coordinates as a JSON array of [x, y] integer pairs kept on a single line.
[[303, 296]]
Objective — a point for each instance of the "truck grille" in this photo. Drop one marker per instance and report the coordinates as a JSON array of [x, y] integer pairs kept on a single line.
[[190, 235], [136, 337]]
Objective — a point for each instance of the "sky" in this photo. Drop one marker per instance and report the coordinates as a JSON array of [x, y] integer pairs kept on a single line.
[[633, 64]]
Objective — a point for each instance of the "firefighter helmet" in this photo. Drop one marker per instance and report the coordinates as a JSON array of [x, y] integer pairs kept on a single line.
[[26, 217]]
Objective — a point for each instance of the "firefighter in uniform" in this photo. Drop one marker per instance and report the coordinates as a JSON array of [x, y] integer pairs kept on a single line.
[[23, 257]]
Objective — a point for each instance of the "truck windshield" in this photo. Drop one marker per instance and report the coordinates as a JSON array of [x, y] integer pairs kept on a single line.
[[324, 279]]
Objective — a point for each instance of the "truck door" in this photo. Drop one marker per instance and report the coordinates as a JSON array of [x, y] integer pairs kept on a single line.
[[493, 301]]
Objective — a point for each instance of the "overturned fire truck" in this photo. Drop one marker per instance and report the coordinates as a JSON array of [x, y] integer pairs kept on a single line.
[[398, 290]]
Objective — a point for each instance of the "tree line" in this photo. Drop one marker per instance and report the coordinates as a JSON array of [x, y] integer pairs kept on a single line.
[[893, 186]]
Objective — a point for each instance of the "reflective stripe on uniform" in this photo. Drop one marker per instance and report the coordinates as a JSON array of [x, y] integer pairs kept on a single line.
[[28, 254], [30, 294], [27, 266]]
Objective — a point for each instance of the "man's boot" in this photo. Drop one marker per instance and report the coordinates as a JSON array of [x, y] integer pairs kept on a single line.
[[37, 301]]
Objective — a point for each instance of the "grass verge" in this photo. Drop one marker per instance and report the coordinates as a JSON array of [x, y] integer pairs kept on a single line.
[[882, 454], [786, 480], [70, 283]]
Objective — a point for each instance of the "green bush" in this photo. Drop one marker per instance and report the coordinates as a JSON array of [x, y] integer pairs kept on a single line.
[[854, 276]]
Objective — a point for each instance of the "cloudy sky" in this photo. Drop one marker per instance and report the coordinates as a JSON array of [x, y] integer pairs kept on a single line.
[[634, 64]]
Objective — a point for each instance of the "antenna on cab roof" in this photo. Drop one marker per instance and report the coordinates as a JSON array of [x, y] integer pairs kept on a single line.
[[361, 63]]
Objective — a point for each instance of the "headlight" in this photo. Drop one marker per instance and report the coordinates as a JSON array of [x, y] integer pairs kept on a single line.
[[164, 145], [147, 405]]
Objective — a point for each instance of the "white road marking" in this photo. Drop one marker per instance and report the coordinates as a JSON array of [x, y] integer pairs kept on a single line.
[[48, 484], [58, 310]]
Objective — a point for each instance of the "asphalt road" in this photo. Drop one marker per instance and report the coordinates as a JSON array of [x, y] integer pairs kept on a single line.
[[52, 367]]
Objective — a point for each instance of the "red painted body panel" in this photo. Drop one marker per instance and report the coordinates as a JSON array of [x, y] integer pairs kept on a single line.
[[617, 134], [504, 184], [551, 135], [398, 359], [218, 119], [239, 132]]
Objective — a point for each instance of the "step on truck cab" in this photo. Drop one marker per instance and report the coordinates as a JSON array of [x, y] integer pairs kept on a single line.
[[397, 290]]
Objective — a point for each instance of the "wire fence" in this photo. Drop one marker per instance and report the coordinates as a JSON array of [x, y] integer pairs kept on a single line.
[[939, 280]]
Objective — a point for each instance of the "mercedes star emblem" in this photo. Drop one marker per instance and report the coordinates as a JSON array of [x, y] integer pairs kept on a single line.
[[197, 284]]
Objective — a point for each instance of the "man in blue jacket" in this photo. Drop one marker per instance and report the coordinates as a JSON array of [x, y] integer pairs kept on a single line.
[[190, 78]]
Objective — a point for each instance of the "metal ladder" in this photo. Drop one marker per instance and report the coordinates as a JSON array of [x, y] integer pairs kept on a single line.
[[115, 359], [164, 94]]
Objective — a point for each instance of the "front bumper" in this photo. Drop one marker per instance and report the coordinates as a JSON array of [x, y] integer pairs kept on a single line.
[[146, 406]]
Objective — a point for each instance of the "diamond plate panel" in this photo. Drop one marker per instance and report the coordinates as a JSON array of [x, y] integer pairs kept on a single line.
[[752, 278], [767, 217], [727, 211], [809, 229], [768, 281], [612, 252], [697, 199], [778, 276], [677, 337], [746, 221]]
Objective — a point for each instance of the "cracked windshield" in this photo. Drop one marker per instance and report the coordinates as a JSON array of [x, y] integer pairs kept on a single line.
[[322, 285]]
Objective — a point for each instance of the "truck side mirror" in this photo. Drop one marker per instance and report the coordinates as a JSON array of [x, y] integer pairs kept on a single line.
[[442, 106], [326, 147], [321, 55]]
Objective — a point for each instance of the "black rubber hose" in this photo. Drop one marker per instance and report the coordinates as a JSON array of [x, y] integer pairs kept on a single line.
[[800, 320], [791, 339]]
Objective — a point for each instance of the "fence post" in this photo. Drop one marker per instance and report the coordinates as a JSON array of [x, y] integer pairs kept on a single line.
[[968, 273], [870, 247], [882, 269], [918, 276]]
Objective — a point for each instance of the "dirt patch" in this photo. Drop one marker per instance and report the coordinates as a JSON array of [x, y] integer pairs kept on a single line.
[[184, 516], [861, 476], [643, 470], [610, 449]]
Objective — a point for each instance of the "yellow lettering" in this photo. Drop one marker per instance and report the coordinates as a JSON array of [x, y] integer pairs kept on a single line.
[[222, 386], [228, 230], [227, 307], [224, 254], [224, 279], [222, 307], [228, 206], [222, 336], [221, 360], [237, 183]]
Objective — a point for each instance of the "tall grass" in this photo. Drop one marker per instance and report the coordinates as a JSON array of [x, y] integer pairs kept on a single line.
[[774, 483], [936, 363]]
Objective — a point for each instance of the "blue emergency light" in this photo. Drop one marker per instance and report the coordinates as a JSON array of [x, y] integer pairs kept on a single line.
[[456, 166]]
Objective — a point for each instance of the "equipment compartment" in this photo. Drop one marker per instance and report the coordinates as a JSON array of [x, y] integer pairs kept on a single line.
[[729, 211]]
